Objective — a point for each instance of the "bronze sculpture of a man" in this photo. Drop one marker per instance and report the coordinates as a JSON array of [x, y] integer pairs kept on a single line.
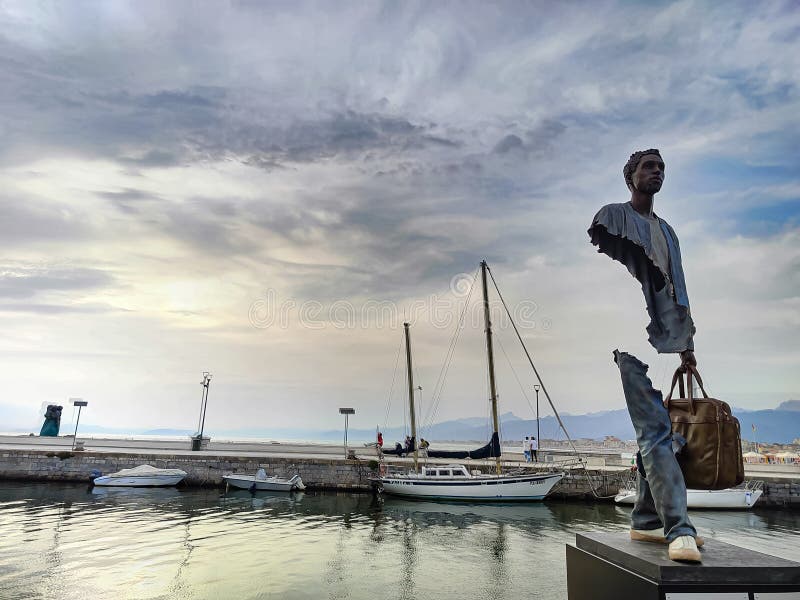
[[631, 233]]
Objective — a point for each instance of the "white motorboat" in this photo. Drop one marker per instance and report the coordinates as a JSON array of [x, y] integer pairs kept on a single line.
[[141, 476], [455, 482], [741, 498], [262, 481]]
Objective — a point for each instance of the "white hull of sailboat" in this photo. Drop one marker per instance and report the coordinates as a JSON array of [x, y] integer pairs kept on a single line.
[[731, 498], [502, 488]]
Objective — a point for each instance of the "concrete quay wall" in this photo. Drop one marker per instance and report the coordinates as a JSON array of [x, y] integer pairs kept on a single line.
[[584, 484], [203, 469], [207, 469], [780, 493], [318, 472]]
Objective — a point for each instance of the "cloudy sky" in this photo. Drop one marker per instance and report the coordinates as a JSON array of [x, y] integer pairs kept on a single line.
[[266, 190]]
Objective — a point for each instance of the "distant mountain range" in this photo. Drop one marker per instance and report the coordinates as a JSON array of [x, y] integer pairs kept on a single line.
[[781, 425], [772, 425]]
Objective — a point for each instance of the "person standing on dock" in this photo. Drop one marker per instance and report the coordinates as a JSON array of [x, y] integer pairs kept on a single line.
[[526, 449], [534, 449], [634, 235]]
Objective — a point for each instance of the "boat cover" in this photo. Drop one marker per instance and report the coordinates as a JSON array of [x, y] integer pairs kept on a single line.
[[146, 471], [490, 450], [398, 450]]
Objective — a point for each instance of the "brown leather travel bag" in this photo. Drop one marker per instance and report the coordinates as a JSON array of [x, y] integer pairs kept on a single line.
[[712, 456]]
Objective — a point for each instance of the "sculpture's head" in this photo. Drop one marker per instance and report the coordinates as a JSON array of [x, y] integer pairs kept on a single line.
[[53, 411], [644, 171]]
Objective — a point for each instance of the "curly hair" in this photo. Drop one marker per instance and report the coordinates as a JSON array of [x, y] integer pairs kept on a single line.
[[633, 162]]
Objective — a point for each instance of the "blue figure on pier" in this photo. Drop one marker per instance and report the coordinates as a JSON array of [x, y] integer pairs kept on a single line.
[[52, 421]]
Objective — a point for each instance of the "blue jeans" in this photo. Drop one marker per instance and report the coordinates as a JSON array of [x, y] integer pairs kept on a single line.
[[661, 496]]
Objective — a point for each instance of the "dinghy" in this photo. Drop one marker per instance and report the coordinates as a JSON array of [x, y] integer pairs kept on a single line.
[[262, 481]]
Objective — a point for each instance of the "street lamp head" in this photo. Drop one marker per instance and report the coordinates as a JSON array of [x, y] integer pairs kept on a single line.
[[536, 387], [347, 411]]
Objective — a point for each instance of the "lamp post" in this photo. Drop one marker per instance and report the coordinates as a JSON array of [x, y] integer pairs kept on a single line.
[[80, 403], [538, 436], [346, 412], [197, 442]]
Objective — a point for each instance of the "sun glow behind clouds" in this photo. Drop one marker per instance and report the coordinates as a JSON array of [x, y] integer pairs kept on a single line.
[[155, 188]]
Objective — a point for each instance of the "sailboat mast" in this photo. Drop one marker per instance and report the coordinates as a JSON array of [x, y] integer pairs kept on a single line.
[[406, 326], [490, 354]]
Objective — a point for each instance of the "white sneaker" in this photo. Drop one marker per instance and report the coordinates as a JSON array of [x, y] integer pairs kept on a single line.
[[649, 535], [684, 548], [656, 536]]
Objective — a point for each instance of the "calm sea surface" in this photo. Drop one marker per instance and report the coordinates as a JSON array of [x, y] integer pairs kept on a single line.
[[61, 541]]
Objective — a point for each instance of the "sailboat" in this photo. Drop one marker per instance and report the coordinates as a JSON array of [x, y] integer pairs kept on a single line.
[[456, 481]]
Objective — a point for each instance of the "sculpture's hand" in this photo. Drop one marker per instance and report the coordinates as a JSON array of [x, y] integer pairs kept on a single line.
[[687, 358]]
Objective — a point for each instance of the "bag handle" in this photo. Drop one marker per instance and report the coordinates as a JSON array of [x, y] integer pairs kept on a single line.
[[690, 371], [676, 378]]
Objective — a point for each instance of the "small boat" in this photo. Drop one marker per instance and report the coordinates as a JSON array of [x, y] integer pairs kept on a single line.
[[141, 476], [262, 481], [741, 498]]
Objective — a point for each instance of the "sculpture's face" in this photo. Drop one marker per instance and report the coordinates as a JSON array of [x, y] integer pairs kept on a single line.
[[649, 174]]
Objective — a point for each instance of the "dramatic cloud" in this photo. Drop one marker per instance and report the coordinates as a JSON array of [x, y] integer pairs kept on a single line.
[[27, 282], [172, 173]]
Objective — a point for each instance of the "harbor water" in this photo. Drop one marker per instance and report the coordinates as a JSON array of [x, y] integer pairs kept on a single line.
[[64, 541]]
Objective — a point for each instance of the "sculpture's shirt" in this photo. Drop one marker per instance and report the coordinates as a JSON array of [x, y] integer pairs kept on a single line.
[[630, 238], [660, 247]]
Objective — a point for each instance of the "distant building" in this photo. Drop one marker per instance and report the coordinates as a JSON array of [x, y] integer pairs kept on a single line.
[[612, 441]]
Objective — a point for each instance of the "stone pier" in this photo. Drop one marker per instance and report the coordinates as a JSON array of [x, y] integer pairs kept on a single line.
[[321, 466], [204, 469]]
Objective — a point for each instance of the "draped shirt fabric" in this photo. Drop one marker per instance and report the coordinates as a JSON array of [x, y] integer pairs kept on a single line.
[[658, 240], [623, 234]]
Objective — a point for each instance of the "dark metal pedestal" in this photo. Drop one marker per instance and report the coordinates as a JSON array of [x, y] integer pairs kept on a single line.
[[609, 566]]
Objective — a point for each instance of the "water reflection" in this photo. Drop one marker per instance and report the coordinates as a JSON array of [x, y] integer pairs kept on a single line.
[[533, 518], [279, 502], [65, 541]]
